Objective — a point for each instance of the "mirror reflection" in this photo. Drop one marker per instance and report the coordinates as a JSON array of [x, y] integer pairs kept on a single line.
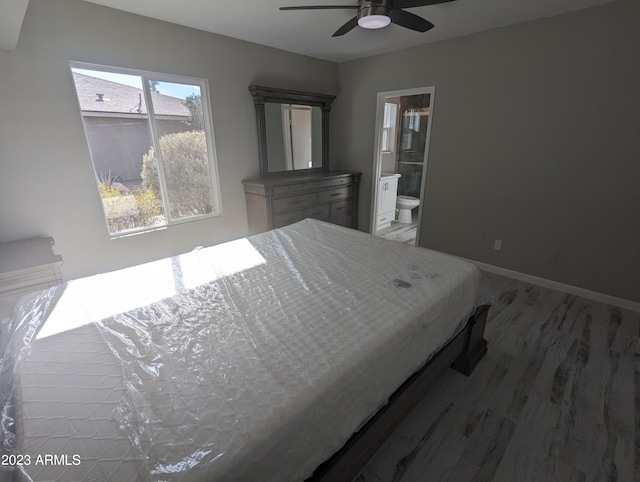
[[294, 136], [293, 130]]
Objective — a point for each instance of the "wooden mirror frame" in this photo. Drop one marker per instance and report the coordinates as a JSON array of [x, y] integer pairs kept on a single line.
[[263, 94]]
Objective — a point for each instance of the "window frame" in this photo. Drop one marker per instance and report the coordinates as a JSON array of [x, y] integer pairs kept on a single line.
[[214, 180], [389, 131]]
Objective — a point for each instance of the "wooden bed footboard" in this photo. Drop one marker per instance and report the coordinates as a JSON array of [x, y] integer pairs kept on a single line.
[[462, 353]]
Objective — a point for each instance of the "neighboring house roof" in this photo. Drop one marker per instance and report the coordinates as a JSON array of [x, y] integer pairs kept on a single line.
[[122, 99]]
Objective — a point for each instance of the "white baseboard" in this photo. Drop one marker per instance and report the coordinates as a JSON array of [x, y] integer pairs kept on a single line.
[[555, 285]]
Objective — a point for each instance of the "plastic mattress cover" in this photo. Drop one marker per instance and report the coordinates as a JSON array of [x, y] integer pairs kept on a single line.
[[251, 360]]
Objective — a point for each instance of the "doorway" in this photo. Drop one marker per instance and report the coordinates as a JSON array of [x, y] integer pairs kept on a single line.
[[298, 149], [403, 131]]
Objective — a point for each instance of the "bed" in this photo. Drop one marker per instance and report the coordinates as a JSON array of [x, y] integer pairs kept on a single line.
[[286, 355]]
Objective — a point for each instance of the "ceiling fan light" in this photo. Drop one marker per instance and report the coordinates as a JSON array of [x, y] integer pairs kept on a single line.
[[374, 21]]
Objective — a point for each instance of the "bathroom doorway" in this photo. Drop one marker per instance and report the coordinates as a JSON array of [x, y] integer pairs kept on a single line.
[[403, 131]]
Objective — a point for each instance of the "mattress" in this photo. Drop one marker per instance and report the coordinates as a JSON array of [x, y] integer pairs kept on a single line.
[[256, 359]]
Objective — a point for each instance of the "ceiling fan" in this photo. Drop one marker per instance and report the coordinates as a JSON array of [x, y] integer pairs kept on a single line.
[[378, 14]]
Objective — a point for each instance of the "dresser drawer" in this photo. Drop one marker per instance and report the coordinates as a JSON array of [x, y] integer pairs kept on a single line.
[[321, 211], [317, 184], [294, 202], [341, 208], [280, 220], [316, 212], [340, 181], [334, 194], [287, 188], [346, 221]]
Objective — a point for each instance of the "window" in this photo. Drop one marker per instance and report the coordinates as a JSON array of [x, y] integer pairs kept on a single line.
[[389, 127], [151, 144]]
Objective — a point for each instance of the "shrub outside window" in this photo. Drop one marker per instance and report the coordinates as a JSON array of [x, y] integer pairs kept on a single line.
[[152, 147]]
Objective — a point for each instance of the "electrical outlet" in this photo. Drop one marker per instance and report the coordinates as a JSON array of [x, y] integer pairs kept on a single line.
[[497, 245], [552, 257]]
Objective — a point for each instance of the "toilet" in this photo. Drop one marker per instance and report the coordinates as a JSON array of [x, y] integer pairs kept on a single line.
[[405, 204]]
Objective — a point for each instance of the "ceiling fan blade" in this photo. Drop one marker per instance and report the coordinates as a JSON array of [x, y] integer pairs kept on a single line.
[[347, 27], [417, 3], [410, 21], [321, 7]]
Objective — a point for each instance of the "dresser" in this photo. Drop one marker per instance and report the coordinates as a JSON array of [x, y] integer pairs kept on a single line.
[[26, 265], [275, 201]]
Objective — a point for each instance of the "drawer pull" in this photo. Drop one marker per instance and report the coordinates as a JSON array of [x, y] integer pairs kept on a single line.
[[336, 194]]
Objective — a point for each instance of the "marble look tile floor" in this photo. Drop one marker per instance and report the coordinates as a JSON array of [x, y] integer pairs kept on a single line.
[[557, 398], [401, 232]]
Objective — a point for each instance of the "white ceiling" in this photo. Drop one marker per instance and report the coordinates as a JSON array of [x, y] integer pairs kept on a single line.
[[309, 32]]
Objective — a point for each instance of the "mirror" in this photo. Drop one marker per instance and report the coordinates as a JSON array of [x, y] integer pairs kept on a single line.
[[294, 136], [293, 130]]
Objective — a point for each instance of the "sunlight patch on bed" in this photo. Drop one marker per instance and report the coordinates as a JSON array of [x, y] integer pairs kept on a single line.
[[210, 264], [98, 297]]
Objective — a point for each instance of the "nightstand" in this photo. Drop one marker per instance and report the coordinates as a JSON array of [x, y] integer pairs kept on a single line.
[[26, 265]]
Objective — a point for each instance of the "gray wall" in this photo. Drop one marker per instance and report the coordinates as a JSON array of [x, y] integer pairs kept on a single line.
[[534, 141], [47, 184]]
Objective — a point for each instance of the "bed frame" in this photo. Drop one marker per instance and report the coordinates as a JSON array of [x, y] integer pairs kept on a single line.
[[462, 353]]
